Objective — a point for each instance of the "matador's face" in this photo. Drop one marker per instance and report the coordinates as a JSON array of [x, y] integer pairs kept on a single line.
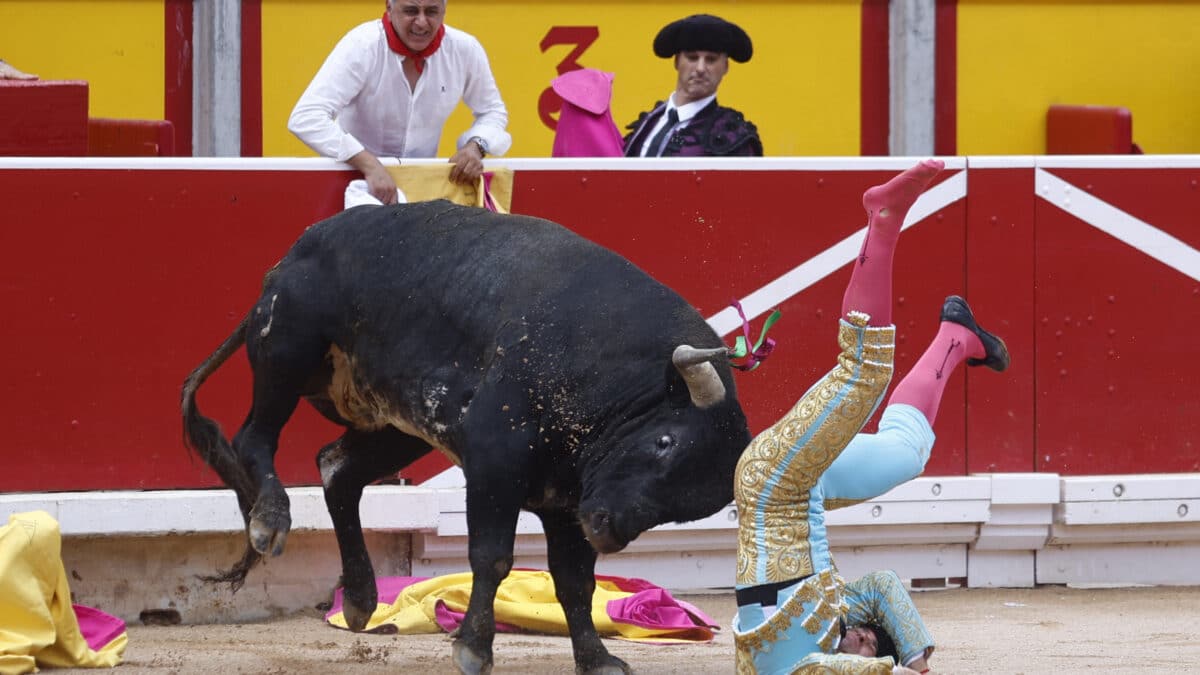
[[859, 640], [700, 74]]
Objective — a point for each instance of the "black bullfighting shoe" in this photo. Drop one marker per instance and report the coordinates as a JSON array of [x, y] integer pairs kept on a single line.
[[956, 310]]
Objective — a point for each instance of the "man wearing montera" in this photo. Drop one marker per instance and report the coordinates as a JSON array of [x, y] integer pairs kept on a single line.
[[691, 123]]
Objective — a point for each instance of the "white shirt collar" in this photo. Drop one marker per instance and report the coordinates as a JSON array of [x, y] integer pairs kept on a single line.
[[688, 110]]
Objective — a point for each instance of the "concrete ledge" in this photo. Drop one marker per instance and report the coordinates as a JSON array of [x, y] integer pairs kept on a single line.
[[1129, 529], [920, 529], [131, 551], [383, 507]]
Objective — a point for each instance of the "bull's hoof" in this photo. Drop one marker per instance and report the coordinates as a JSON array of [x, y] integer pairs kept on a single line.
[[611, 666], [268, 531], [356, 618], [468, 662]]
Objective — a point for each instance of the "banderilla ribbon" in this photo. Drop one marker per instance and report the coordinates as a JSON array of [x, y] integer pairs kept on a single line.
[[761, 350]]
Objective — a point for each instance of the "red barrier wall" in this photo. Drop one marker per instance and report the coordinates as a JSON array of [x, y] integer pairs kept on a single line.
[[117, 282]]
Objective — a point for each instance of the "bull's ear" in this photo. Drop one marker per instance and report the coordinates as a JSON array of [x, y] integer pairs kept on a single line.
[[694, 365]]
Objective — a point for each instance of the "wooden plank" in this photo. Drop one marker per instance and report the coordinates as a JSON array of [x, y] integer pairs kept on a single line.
[[1140, 511], [1130, 487], [384, 507], [1174, 564], [1123, 534]]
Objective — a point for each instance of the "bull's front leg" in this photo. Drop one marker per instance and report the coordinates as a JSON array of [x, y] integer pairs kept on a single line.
[[573, 566], [492, 510], [347, 466]]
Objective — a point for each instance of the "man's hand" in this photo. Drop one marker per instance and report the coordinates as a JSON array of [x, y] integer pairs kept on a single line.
[[7, 72], [468, 164], [380, 183]]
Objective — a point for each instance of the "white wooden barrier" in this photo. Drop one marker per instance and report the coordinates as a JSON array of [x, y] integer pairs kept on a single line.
[[129, 551], [1141, 529]]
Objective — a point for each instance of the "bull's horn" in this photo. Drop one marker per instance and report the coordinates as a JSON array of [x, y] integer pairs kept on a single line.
[[704, 385]]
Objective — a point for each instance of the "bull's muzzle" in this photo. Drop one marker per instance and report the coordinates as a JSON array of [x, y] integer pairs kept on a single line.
[[598, 529]]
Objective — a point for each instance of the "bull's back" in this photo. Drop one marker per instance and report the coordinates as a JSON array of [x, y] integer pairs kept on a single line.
[[422, 303], [478, 271]]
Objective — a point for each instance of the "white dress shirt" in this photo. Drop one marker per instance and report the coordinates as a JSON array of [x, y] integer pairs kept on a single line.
[[360, 98], [686, 112]]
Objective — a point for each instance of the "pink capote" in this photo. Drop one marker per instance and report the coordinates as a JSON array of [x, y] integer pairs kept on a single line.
[[585, 125]]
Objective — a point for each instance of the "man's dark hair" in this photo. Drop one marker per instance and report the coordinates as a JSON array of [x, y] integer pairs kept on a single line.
[[885, 646]]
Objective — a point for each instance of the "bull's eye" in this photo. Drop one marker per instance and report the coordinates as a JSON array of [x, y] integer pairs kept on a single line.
[[665, 442]]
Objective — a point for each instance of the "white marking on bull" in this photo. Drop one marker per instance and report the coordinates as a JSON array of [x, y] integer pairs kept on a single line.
[[267, 328], [331, 463], [433, 399]]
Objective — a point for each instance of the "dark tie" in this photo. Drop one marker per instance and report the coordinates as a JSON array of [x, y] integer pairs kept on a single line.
[[660, 139]]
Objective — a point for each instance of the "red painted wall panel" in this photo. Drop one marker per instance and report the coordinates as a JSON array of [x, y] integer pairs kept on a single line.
[[690, 234], [1001, 267], [116, 283], [1116, 332], [43, 118]]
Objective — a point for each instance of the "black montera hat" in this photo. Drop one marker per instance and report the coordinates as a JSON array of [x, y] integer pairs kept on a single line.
[[703, 32]]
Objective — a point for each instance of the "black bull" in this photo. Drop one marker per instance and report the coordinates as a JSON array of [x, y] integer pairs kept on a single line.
[[560, 377]]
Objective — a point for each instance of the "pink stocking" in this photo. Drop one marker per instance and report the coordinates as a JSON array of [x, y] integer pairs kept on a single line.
[[870, 288], [922, 387]]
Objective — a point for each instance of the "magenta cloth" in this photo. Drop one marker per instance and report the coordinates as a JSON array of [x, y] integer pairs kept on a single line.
[[97, 627], [585, 124], [488, 202], [655, 608], [450, 620], [388, 587]]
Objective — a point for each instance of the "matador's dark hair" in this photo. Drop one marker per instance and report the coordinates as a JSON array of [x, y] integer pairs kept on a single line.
[[885, 645]]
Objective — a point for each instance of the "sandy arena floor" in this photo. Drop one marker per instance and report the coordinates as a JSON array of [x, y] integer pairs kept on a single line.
[[1052, 630]]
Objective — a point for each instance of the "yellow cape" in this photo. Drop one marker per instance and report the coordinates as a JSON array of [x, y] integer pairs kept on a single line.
[[525, 600], [37, 623]]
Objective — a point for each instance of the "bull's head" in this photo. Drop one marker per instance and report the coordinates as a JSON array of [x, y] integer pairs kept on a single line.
[[674, 461]]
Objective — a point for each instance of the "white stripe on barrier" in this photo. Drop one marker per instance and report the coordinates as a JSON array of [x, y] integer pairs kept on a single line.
[[832, 259], [1113, 221]]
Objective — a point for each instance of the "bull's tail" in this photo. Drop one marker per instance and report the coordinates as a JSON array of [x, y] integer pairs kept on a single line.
[[204, 437]]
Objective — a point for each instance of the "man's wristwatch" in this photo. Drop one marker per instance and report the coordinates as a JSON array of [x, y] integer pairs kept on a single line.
[[483, 150]]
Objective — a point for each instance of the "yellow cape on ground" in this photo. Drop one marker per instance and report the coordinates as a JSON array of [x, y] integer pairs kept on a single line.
[[525, 600], [38, 627]]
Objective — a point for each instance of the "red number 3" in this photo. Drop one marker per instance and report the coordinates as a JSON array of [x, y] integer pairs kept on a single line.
[[549, 103]]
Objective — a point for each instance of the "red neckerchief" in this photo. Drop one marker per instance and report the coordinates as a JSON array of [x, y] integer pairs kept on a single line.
[[402, 49]]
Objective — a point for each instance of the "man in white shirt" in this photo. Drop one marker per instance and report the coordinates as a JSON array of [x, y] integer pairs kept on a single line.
[[691, 123], [389, 86]]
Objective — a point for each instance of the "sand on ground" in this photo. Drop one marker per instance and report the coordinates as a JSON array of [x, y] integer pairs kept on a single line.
[[1050, 629]]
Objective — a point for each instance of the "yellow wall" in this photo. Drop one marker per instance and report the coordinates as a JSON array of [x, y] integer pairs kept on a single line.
[[1015, 59], [801, 88], [117, 47]]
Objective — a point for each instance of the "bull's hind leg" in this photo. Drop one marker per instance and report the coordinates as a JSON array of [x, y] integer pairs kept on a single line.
[[347, 466], [256, 443], [285, 350], [573, 566]]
